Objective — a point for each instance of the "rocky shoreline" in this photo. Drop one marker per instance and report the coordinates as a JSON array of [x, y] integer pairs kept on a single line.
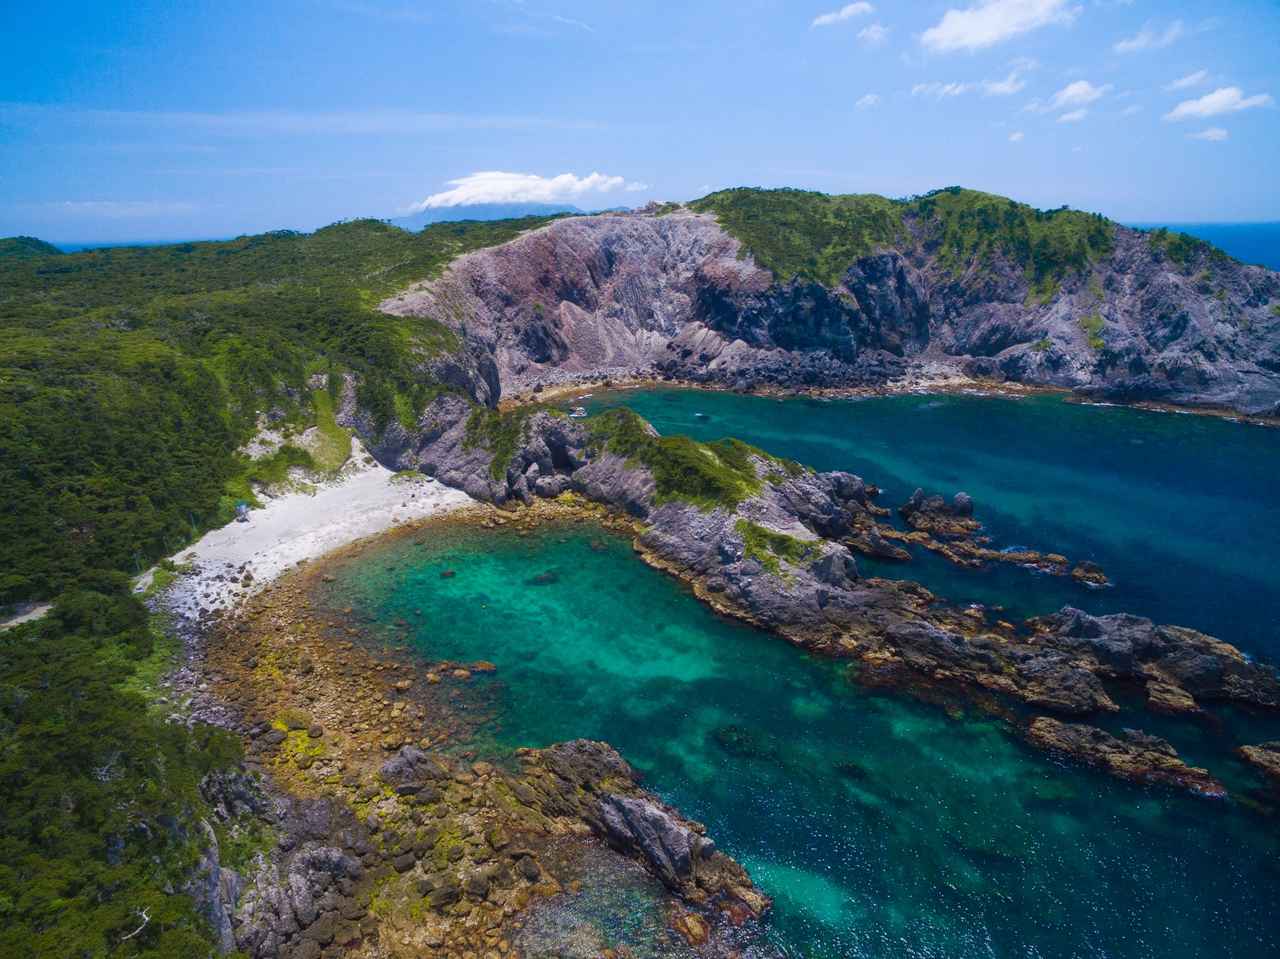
[[780, 554], [375, 834]]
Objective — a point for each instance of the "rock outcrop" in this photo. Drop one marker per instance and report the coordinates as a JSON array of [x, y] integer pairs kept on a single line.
[[676, 295], [1135, 756], [776, 554]]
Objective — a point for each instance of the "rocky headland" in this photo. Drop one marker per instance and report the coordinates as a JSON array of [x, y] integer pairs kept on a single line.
[[773, 543], [733, 291]]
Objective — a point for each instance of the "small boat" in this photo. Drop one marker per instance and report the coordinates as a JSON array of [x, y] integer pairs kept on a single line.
[[700, 416], [578, 412]]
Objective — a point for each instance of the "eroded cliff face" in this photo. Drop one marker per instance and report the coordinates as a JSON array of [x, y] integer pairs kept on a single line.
[[642, 294]]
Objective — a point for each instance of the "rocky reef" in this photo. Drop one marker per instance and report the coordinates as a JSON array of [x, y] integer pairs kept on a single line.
[[769, 542], [677, 294], [361, 827]]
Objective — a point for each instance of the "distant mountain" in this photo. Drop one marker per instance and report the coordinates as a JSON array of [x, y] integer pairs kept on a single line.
[[479, 211], [26, 247]]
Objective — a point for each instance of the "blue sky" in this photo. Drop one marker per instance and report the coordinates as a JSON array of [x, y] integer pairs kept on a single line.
[[187, 119]]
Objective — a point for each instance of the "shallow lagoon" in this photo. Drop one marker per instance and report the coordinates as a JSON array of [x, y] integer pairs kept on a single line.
[[881, 827]]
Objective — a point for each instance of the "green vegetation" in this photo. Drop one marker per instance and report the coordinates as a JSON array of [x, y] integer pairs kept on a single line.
[[768, 547], [129, 377], [1092, 326], [1185, 250], [1275, 309], [24, 247], [501, 432], [796, 233], [100, 796], [818, 237], [1042, 345], [708, 475]]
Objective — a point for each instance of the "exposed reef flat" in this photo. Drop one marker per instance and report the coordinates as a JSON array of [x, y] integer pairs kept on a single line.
[[385, 838]]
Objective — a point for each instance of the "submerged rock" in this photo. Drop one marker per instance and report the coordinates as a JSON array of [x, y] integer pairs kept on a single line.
[[1137, 757]]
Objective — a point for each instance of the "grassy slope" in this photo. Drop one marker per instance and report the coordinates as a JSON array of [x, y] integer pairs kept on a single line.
[[128, 377], [814, 236]]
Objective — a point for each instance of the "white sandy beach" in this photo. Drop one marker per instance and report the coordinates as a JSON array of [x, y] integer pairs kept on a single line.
[[296, 526]]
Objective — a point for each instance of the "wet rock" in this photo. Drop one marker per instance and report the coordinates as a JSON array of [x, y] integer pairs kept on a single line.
[[1265, 758], [1137, 757]]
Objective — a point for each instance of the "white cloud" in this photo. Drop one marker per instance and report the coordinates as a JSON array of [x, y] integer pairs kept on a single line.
[[867, 101], [1078, 94], [1220, 101], [493, 186], [1075, 116], [994, 21], [1149, 38], [873, 35], [637, 187], [1190, 80], [941, 91], [1131, 110], [122, 209], [847, 12], [1007, 87], [1016, 137], [570, 22], [1213, 135]]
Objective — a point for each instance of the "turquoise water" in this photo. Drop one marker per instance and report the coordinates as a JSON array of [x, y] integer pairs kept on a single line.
[[1182, 511], [884, 827]]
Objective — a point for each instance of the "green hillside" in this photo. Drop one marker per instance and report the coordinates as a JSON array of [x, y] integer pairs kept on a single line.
[[129, 376], [25, 247], [814, 236]]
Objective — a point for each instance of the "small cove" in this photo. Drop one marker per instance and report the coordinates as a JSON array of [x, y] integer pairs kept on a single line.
[[882, 827]]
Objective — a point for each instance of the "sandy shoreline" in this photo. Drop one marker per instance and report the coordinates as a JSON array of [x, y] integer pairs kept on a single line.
[[229, 564]]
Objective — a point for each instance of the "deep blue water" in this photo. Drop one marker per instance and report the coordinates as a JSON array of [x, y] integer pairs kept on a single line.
[[883, 827], [1257, 243]]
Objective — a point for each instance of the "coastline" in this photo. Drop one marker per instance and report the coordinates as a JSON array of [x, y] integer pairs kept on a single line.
[[228, 565], [923, 383]]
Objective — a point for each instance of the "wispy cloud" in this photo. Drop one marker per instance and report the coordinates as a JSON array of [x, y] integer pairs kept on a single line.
[[1075, 116], [121, 209], [1017, 136], [847, 12], [570, 22], [1189, 81], [994, 21], [942, 91], [1213, 135], [867, 101], [1013, 83], [494, 186], [1078, 94], [873, 35], [1220, 101], [1151, 38], [285, 123]]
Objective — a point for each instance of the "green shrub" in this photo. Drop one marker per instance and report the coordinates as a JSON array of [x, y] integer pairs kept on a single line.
[[708, 475], [1092, 326], [768, 547], [100, 795]]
